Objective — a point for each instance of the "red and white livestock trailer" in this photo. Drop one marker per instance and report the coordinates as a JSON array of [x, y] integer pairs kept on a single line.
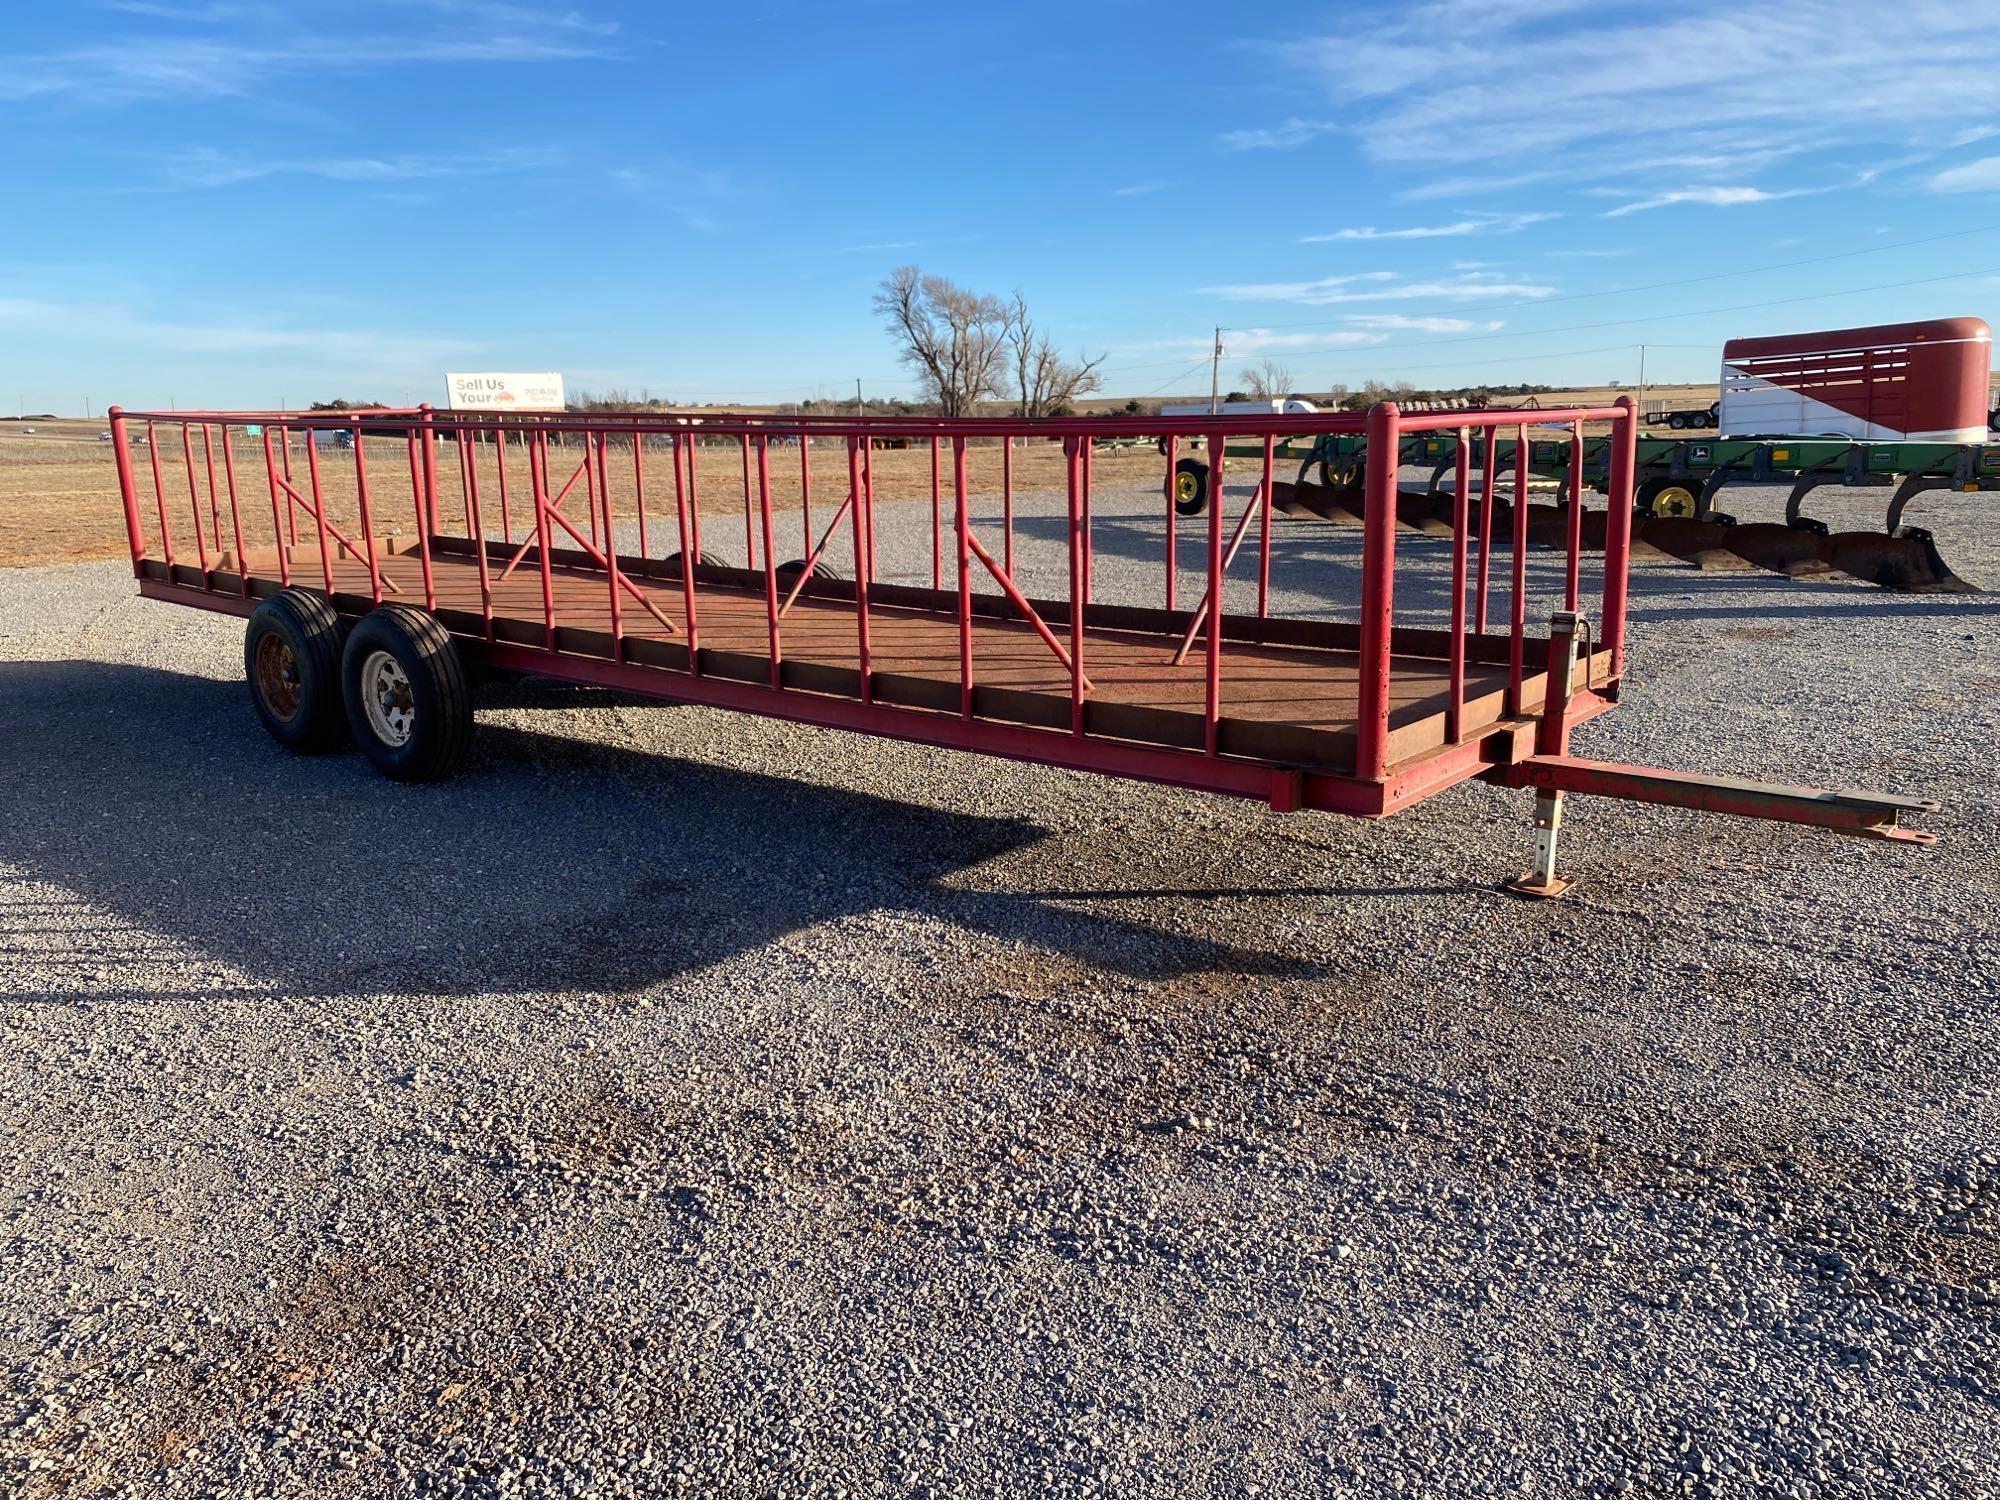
[[1895, 382], [374, 630]]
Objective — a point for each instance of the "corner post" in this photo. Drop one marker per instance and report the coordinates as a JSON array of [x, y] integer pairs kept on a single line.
[[121, 455], [1552, 738], [1378, 589]]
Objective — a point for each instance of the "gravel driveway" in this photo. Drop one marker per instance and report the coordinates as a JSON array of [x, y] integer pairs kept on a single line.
[[683, 1103]]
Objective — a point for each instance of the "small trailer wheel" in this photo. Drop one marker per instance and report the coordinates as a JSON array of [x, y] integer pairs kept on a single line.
[[1190, 487], [291, 659], [672, 562], [409, 703]]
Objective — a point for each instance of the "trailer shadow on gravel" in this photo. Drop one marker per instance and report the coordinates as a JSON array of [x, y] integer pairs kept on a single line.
[[550, 863]]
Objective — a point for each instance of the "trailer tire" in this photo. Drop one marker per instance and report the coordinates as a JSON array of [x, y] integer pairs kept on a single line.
[[672, 561], [1663, 497], [291, 661], [409, 703], [788, 572], [1190, 487]]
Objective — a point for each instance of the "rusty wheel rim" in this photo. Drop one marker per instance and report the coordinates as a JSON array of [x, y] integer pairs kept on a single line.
[[278, 677]]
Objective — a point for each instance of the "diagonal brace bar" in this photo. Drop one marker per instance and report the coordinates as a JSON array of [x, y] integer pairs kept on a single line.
[[1020, 601]]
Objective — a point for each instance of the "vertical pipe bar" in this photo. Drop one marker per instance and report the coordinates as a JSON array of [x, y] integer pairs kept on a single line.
[[194, 499], [277, 525], [693, 537], [500, 463], [639, 487], [418, 502], [214, 500], [610, 542], [1489, 463], [857, 478], [291, 511], [1378, 592], [1264, 534], [937, 524], [964, 579], [236, 514], [427, 505], [689, 552], [592, 474], [1072, 467], [1212, 694], [469, 459], [1517, 604], [160, 497], [1007, 500], [1461, 503], [1173, 516], [538, 477], [770, 560], [1573, 563], [1089, 540], [128, 494], [367, 517], [1618, 530], [806, 494], [749, 539], [465, 482], [319, 511], [868, 483]]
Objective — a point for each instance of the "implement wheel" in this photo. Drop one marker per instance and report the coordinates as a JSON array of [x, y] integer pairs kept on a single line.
[[1190, 487], [291, 659], [788, 572], [1668, 498], [408, 701]]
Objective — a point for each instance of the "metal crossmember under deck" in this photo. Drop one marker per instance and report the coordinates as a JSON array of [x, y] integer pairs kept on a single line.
[[1362, 718]]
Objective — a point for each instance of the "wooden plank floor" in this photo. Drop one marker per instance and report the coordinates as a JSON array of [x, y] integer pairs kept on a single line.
[[1293, 704]]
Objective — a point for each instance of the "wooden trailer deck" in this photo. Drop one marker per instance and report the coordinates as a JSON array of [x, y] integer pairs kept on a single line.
[[1289, 692]]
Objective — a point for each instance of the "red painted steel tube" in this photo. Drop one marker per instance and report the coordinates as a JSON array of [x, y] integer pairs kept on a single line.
[[610, 549], [194, 497], [639, 490], [1212, 696], [278, 541], [937, 524], [541, 444], [285, 453], [1071, 468], [500, 463], [128, 495], [857, 476], [367, 518], [806, 493], [1573, 560], [868, 486], [1264, 535], [160, 496], [1007, 500], [317, 509], [1020, 601], [464, 449], [813, 557], [469, 461], [1089, 536], [691, 542], [689, 553], [1173, 516], [425, 438], [1517, 602], [964, 578], [319, 513], [1378, 592], [749, 537], [770, 561], [592, 476], [214, 497], [1454, 712], [1618, 531], [1489, 464], [538, 476], [235, 514], [417, 501], [1200, 616]]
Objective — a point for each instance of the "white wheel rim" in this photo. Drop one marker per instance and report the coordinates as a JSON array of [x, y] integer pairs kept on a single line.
[[386, 696]]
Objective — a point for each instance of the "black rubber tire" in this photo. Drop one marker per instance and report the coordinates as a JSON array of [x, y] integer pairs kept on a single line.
[[1677, 422], [672, 562], [302, 663], [1190, 487], [1647, 500], [440, 694], [789, 571]]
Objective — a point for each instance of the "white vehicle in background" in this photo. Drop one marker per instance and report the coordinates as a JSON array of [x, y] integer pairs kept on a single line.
[[1281, 405]]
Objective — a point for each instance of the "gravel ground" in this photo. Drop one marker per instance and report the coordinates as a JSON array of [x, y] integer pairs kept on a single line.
[[680, 1103]]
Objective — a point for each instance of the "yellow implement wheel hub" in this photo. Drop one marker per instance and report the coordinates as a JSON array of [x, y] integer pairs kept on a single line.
[[1186, 487], [1674, 500]]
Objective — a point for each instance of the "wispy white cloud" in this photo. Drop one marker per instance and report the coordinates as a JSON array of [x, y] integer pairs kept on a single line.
[[1139, 190], [1381, 286], [110, 323], [1712, 197], [1403, 323], [1982, 176], [206, 167], [1294, 132], [1476, 223]]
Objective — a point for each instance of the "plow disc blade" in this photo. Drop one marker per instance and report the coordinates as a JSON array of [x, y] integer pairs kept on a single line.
[[1341, 507], [1906, 563]]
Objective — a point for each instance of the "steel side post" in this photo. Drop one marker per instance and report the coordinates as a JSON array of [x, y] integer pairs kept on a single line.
[[964, 524], [1552, 738], [128, 493], [1378, 573], [1264, 534], [367, 517], [1173, 515], [427, 507], [538, 478], [1488, 466], [1212, 687], [1618, 532], [160, 498], [689, 552], [194, 500], [235, 514], [277, 524], [861, 526], [770, 561]]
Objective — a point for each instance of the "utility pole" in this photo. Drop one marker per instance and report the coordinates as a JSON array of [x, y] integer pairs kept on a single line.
[[859, 409], [1215, 376], [1642, 382]]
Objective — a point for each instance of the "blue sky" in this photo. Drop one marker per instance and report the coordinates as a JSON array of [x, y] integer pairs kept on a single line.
[[238, 203]]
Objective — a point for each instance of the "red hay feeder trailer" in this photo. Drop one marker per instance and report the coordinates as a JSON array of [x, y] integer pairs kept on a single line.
[[354, 630]]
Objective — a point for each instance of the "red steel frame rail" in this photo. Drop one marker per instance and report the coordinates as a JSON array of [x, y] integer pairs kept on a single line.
[[1527, 748]]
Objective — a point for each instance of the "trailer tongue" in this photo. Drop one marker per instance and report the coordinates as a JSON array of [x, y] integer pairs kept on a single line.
[[432, 543]]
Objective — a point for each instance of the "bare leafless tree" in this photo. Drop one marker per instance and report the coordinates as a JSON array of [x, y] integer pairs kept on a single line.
[[1045, 381], [1269, 381], [953, 339]]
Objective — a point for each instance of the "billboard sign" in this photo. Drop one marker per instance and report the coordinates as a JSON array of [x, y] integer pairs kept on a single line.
[[505, 392]]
